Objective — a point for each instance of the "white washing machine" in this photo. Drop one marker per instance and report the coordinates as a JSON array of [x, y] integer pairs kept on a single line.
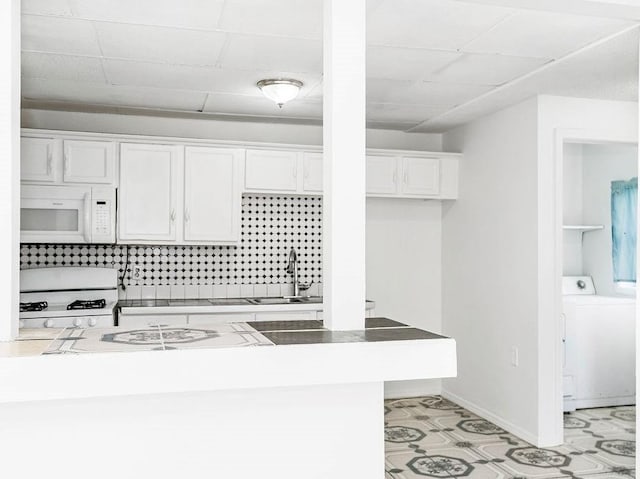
[[599, 346]]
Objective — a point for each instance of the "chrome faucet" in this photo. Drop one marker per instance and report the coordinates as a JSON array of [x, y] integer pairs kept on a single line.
[[292, 267]]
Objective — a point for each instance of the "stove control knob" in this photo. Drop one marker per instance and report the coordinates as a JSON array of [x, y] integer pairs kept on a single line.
[[92, 321], [48, 323], [77, 322]]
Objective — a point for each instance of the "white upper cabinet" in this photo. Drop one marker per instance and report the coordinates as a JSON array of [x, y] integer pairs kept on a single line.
[[312, 172], [382, 175], [432, 176], [420, 176], [38, 159], [212, 194], [89, 161], [271, 171], [67, 161], [148, 192]]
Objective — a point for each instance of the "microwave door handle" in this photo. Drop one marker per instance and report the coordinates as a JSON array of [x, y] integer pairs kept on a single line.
[[87, 217]]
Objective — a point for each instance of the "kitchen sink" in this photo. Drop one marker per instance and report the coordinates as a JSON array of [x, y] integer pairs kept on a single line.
[[229, 301], [286, 300]]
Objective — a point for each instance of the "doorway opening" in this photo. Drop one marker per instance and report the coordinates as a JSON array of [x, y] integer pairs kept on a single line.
[[598, 268]]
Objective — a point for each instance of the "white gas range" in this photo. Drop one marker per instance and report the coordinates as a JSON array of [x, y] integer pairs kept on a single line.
[[68, 297]]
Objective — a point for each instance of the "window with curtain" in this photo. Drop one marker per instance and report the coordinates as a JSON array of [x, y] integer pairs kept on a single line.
[[624, 201]]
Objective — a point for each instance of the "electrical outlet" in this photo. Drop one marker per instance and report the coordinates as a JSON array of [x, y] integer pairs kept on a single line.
[[515, 357], [136, 272]]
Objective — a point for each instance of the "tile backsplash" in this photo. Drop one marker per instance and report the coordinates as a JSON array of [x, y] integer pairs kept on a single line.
[[271, 225]]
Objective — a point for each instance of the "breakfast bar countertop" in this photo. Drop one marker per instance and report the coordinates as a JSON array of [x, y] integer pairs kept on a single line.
[[73, 363], [163, 337]]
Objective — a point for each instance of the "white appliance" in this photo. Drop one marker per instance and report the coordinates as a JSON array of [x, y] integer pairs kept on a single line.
[[68, 297], [67, 214], [599, 347]]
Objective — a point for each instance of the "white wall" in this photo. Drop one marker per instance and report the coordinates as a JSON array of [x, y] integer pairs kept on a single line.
[[603, 164], [501, 257], [562, 119], [489, 265], [9, 167], [404, 245], [215, 129], [288, 432], [572, 209]]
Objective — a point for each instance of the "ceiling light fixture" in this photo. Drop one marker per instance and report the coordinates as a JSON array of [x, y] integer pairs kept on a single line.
[[280, 90]]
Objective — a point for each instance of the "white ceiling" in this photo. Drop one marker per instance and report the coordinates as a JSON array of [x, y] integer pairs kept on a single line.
[[431, 64]]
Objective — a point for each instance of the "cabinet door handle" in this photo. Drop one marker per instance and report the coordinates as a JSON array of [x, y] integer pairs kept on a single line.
[[295, 173], [395, 176], [187, 216], [173, 215], [406, 177], [66, 163]]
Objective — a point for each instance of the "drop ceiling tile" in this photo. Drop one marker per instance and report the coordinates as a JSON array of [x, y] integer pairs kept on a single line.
[[296, 18], [380, 90], [543, 34], [203, 14], [260, 106], [406, 63], [159, 75], [59, 35], [482, 69], [46, 7], [160, 44], [390, 112], [446, 95], [438, 24], [97, 94], [62, 67], [272, 53], [433, 94], [183, 77], [391, 125]]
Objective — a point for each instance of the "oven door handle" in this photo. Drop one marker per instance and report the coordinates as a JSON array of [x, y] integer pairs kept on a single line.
[[87, 217]]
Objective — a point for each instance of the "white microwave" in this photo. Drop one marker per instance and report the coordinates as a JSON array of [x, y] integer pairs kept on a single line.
[[67, 214]]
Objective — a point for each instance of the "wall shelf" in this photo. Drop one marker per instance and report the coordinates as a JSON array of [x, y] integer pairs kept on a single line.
[[582, 228]]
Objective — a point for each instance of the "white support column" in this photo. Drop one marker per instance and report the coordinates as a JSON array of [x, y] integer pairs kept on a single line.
[[344, 164], [9, 167]]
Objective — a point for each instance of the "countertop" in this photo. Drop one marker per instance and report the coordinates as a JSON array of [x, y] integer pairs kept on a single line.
[[212, 305], [48, 364]]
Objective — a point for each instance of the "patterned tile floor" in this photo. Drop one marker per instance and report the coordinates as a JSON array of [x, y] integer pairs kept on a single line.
[[433, 437]]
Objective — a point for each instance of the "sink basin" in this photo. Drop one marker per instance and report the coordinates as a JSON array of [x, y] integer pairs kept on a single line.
[[187, 302], [286, 300], [228, 301], [274, 300], [311, 299]]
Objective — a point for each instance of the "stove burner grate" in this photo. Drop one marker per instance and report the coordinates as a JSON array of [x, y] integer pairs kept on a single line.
[[35, 306], [87, 304]]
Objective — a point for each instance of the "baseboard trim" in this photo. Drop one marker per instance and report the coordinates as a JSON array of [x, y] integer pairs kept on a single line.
[[410, 389], [497, 420]]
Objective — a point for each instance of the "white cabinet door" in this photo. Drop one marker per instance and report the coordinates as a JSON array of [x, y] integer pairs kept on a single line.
[[212, 194], [148, 192], [312, 172], [268, 170], [89, 161], [382, 175], [420, 176], [38, 159]]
